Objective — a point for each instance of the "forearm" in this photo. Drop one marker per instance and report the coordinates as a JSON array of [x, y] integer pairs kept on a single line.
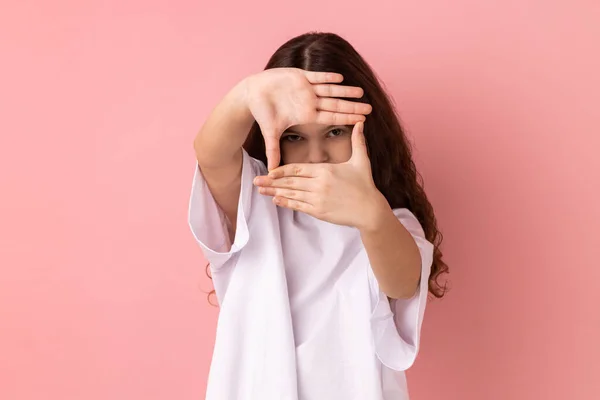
[[218, 151], [225, 130], [393, 253]]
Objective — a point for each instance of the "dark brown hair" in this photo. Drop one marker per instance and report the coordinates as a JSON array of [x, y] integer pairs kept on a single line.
[[394, 171]]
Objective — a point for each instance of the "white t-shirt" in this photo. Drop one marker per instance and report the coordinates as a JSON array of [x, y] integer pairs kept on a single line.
[[301, 313]]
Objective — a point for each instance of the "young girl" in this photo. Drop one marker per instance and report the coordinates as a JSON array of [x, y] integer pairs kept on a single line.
[[322, 262]]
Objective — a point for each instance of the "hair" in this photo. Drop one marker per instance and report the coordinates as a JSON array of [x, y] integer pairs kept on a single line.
[[390, 152]]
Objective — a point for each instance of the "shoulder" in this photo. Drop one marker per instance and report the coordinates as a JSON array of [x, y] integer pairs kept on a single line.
[[409, 220]]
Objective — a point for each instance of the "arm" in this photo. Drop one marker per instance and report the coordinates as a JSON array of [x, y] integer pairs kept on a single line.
[[218, 150], [392, 251], [277, 98], [334, 193]]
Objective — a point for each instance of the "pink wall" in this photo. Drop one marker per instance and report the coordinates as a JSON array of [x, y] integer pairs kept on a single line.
[[101, 282]]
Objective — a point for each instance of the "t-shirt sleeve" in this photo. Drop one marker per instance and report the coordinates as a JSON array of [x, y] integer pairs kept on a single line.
[[208, 222], [396, 324]]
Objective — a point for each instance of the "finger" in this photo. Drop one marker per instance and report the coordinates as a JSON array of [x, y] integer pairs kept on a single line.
[[294, 204], [333, 118], [343, 106], [292, 194], [359, 144], [323, 77], [272, 152], [299, 169], [288, 182], [324, 90], [294, 182]]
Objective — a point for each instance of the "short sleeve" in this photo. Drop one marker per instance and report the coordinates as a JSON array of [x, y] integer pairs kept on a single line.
[[396, 324], [208, 222]]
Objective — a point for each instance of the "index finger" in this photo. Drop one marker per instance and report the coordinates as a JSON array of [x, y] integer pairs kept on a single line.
[[332, 90], [323, 77], [300, 169]]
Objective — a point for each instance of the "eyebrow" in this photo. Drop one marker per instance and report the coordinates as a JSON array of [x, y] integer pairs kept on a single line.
[[324, 129]]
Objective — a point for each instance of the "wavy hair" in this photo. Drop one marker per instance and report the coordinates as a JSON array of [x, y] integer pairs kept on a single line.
[[390, 152]]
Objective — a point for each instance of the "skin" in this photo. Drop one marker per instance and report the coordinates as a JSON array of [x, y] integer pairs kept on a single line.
[[276, 99], [327, 174]]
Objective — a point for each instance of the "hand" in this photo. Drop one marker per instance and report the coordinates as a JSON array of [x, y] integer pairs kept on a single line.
[[279, 98], [342, 194]]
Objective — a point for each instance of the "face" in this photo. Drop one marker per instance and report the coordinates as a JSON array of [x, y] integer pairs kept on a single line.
[[316, 143]]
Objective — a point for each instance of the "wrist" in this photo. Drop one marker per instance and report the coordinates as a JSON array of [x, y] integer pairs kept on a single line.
[[239, 98], [376, 212]]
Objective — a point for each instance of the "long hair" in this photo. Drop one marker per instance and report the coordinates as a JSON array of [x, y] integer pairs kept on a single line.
[[394, 171]]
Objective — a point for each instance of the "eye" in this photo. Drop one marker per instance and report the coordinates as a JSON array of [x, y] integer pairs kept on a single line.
[[292, 138], [335, 132]]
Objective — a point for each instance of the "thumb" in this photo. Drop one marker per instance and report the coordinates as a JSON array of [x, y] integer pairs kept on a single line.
[[272, 150], [359, 144]]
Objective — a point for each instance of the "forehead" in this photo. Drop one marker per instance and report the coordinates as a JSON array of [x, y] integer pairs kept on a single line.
[[312, 129]]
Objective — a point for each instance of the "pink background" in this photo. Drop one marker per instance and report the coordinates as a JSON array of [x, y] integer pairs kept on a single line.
[[102, 286]]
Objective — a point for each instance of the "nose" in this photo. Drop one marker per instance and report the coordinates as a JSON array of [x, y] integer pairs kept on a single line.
[[317, 153]]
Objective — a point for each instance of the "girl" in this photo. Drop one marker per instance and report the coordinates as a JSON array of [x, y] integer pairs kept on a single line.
[[322, 262]]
